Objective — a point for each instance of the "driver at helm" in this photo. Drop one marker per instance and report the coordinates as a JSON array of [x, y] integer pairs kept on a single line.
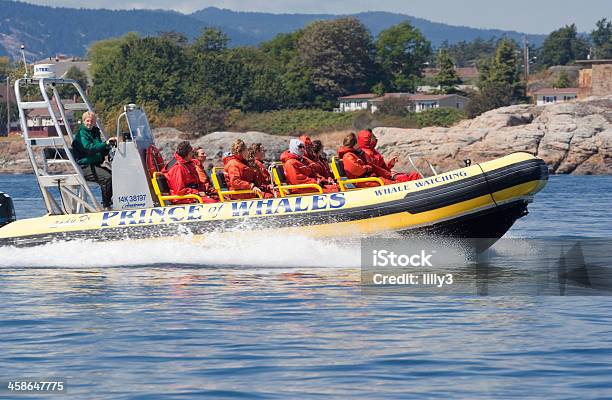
[[89, 151]]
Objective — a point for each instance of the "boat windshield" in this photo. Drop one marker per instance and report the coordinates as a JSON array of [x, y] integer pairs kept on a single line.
[[139, 125]]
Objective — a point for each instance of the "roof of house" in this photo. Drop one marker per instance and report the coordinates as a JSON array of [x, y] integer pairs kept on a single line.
[[359, 96], [554, 91], [396, 95], [602, 61], [415, 97], [432, 97]]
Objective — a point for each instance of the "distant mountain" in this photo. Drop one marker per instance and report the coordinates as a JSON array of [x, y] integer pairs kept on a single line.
[[264, 26], [50, 30], [47, 31]]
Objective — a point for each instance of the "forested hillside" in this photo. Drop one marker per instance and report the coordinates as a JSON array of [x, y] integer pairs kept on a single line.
[[49, 30]]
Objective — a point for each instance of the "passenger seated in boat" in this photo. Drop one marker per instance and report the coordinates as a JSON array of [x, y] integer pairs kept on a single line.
[[311, 159], [353, 160], [241, 176], [89, 151], [367, 142], [298, 170], [183, 177], [257, 154], [199, 160], [321, 157]]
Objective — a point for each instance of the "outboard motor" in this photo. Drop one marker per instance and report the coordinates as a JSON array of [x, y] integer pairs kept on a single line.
[[7, 210]]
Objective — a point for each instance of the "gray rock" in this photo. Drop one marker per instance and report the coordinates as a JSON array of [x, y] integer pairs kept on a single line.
[[572, 137]]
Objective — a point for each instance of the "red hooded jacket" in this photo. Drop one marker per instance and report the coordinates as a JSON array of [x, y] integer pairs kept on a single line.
[[355, 167], [239, 176], [298, 171], [312, 160], [183, 179], [372, 156]]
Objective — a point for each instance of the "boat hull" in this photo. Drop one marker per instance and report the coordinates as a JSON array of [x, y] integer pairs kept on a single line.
[[480, 201]]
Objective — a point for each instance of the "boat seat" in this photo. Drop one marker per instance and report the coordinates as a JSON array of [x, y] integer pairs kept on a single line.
[[346, 184], [283, 186], [218, 179], [162, 190]]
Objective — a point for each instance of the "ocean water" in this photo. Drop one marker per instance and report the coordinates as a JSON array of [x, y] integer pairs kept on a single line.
[[285, 317]]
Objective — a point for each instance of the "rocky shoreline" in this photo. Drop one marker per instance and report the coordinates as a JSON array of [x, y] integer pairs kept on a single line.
[[572, 138]]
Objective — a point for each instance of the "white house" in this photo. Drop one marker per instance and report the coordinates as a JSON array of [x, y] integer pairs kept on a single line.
[[555, 95], [415, 102], [355, 102], [421, 102]]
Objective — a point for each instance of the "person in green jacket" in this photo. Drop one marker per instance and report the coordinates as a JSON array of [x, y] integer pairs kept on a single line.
[[89, 151]]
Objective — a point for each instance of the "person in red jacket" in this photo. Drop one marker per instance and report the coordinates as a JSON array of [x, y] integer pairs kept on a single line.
[[298, 170], [367, 143], [183, 177], [310, 158], [321, 158], [257, 154], [239, 175], [354, 164], [199, 160]]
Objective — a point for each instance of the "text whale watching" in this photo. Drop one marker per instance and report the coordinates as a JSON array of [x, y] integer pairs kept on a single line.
[[354, 194]]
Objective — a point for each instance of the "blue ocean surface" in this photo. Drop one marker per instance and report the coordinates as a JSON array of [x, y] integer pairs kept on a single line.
[[285, 317]]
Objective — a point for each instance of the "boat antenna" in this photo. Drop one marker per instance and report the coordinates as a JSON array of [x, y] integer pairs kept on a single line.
[[25, 64]]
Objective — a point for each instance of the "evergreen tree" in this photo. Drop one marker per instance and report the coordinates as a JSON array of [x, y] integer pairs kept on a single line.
[[500, 81], [504, 68], [602, 39], [447, 77], [563, 46], [402, 52]]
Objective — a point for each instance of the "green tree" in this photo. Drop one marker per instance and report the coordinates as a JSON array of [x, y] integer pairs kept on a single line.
[[149, 70], [77, 75], [602, 39], [282, 51], [339, 56], [500, 82], [466, 54], [174, 36], [504, 69], [563, 46], [447, 77], [401, 51], [211, 40], [493, 95]]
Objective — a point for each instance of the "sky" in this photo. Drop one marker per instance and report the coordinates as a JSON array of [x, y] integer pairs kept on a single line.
[[530, 16]]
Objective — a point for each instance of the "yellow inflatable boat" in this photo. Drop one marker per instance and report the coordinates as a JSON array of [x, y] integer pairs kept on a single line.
[[479, 201]]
